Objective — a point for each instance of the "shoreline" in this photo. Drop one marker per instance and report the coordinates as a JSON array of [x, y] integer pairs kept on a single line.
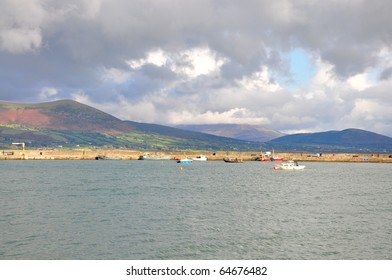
[[58, 154]]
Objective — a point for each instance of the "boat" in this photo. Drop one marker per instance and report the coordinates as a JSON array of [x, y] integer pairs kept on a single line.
[[200, 158], [99, 157], [276, 158], [232, 160], [269, 157], [185, 160], [289, 165], [262, 158], [148, 157]]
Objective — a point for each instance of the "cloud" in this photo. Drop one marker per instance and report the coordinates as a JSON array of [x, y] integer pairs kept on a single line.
[[360, 82], [20, 40], [190, 63], [47, 92], [235, 115], [20, 26], [292, 65], [259, 81]]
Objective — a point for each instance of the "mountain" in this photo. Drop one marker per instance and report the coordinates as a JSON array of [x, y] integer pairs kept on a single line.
[[255, 133], [348, 140], [60, 115], [71, 124], [68, 123]]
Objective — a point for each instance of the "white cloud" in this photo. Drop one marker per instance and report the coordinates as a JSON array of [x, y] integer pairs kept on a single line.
[[156, 57], [116, 75], [139, 112], [360, 82], [20, 40], [191, 63], [21, 26], [81, 97], [235, 115], [325, 76], [198, 61], [367, 110], [48, 92], [121, 108], [259, 81]]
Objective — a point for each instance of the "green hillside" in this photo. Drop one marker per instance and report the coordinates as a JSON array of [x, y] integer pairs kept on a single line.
[[64, 115], [71, 124]]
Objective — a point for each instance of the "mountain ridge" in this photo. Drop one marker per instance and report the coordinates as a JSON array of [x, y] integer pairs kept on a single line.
[[351, 139], [72, 124], [61, 115], [255, 133]]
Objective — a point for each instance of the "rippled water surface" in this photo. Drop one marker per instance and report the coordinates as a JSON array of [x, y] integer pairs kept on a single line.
[[208, 210]]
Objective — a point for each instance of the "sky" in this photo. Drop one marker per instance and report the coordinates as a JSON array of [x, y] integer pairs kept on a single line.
[[292, 66]]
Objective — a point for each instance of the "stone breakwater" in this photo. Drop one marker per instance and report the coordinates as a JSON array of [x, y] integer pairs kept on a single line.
[[59, 154]]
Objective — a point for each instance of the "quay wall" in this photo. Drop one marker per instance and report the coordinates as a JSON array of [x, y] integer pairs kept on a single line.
[[59, 154]]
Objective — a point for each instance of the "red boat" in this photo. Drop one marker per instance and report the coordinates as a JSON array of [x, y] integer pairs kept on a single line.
[[263, 159], [277, 158], [267, 157]]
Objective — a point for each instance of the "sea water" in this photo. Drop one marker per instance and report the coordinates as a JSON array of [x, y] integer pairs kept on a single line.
[[206, 210]]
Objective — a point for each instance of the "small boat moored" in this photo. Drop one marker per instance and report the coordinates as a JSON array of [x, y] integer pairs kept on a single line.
[[99, 157], [200, 158], [232, 160], [267, 156], [185, 160], [156, 157], [276, 158], [289, 165], [261, 158]]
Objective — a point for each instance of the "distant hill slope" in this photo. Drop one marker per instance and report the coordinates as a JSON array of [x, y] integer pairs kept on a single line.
[[70, 124], [61, 115], [348, 140], [193, 137], [245, 132]]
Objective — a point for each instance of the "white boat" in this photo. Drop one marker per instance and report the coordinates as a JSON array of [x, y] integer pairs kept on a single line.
[[289, 165], [200, 158], [185, 160], [149, 157]]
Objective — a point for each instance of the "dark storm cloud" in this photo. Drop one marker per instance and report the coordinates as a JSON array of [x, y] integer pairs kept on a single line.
[[86, 34], [97, 51], [348, 34], [158, 72], [386, 74]]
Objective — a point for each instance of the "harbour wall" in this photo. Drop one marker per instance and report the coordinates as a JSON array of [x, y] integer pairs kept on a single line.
[[59, 154]]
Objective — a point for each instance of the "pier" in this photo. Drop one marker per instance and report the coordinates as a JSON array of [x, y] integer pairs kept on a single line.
[[64, 154]]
